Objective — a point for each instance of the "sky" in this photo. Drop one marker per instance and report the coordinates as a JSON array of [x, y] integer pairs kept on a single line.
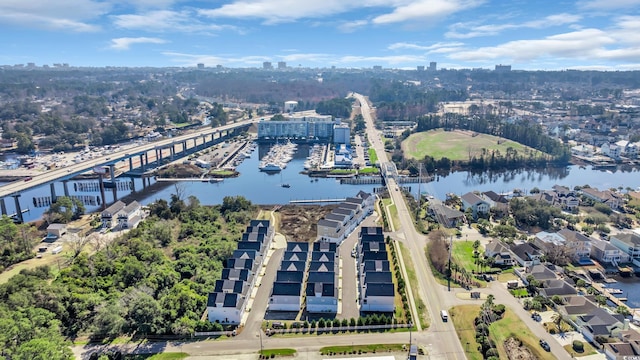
[[458, 34]]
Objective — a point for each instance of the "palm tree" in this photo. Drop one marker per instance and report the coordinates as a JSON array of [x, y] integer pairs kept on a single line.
[[557, 320]]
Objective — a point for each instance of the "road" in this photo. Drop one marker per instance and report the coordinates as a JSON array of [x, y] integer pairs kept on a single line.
[[428, 290], [67, 172]]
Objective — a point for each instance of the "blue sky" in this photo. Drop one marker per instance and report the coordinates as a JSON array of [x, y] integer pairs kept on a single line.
[[529, 35]]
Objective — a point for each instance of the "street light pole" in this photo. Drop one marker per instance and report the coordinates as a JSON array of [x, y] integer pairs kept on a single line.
[[449, 274]]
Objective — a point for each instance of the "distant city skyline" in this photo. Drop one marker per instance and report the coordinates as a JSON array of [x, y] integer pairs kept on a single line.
[[402, 34]]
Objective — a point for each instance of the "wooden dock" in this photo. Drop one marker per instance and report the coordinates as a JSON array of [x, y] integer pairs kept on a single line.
[[312, 201], [617, 301]]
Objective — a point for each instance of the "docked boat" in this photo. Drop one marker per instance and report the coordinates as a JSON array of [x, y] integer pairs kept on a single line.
[[286, 185], [270, 167]]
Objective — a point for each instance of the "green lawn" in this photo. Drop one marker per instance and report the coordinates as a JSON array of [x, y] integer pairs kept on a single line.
[[393, 212], [364, 349], [373, 157], [413, 282], [342, 171], [222, 172], [463, 254], [161, 356], [455, 145], [588, 350], [509, 326], [369, 170], [278, 352]]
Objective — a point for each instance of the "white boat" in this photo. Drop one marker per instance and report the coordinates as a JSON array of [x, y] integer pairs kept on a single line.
[[270, 167]]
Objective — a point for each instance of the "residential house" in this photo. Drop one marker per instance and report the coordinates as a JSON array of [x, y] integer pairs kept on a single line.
[[622, 350], [577, 305], [445, 215], [129, 216], [600, 323], [614, 200], [476, 203], [55, 231], [605, 252], [235, 274], [500, 253], [286, 296], [559, 287], [576, 245], [376, 289], [225, 308], [231, 287], [377, 297], [628, 243], [611, 150], [109, 216], [525, 254]]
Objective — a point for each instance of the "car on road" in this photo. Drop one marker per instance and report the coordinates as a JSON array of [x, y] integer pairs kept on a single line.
[[545, 345]]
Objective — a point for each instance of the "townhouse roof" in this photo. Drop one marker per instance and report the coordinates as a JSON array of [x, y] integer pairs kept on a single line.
[[286, 289], [239, 263], [373, 255], [229, 286], [376, 265], [133, 206], [330, 223], [349, 206], [298, 246], [494, 196], [343, 211], [256, 230], [113, 209], [249, 245], [289, 276], [322, 266], [372, 277], [324, 246], [253, 237], [229, 300], [363, 195], [375, 246], [354, 200], [371, 230], [260, 223], [337, 217], [235, 274], [323, 256], [380, 289], [292, 265], [324, 289], [294, 256], [245, 254], [321, 277]]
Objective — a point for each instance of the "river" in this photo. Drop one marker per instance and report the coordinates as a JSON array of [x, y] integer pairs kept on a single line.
[[263, 188]]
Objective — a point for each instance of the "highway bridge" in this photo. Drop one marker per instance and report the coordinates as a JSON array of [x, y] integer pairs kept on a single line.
[[187, 143]]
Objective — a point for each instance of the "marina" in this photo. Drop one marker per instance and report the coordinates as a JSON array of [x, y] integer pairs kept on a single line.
[[278, 157]]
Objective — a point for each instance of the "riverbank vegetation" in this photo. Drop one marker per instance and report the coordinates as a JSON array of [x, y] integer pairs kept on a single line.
[[151, 281]]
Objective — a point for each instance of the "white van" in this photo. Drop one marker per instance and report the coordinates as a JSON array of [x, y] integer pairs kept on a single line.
[[444, 315]]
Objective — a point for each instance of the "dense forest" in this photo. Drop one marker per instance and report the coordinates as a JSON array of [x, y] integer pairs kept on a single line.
[[152, 281]]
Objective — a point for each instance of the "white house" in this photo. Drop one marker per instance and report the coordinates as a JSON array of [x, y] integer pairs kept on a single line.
[[225, 308], [129, 216], [603, 251], [378, 297], [286, 296], [322, 297], [476, 203], [628, 243], [109, 216], [611, 150]]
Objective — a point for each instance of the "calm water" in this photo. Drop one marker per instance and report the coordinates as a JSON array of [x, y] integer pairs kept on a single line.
[[263, 188]]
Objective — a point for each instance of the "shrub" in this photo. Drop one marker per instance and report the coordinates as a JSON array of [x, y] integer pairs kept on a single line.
[[578, 346]]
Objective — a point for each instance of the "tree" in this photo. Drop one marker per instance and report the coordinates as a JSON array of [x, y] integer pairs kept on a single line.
[[65, 209]]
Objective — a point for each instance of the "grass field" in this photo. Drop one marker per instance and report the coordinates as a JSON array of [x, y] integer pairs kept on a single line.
[[161, 356], [364, 349], [413, 282], [373, 157], [393, 212], [455, 145], [509, 326], [463, 254], [278, 352]]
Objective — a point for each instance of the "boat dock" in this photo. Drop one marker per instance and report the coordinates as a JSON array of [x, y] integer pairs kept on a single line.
[[610, 296], [311, 201]]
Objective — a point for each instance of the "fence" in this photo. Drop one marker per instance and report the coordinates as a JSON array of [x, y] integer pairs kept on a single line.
[[305, 330]]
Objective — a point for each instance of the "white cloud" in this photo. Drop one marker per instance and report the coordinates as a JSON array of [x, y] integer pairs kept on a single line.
[[279, 11], [71, 15], [578, 44], [352, 26], [425, 9], [472, 30], [166, 20], [609, 4], [437, 47], [125, 43]]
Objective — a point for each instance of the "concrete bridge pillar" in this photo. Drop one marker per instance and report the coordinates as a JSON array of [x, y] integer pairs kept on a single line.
[[3, 207], [52, 186], [104, 201], [146, 160], [16, 199], [65, 186], [112, 174], [131, 163], [172, 151]]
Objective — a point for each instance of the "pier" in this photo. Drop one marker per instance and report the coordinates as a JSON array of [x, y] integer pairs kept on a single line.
[[316, 201]]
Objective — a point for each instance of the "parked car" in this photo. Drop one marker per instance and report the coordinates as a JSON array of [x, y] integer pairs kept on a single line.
[[545, 345]]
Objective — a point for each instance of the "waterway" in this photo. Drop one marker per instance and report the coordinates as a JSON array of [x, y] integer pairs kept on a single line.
[[266, 189]]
